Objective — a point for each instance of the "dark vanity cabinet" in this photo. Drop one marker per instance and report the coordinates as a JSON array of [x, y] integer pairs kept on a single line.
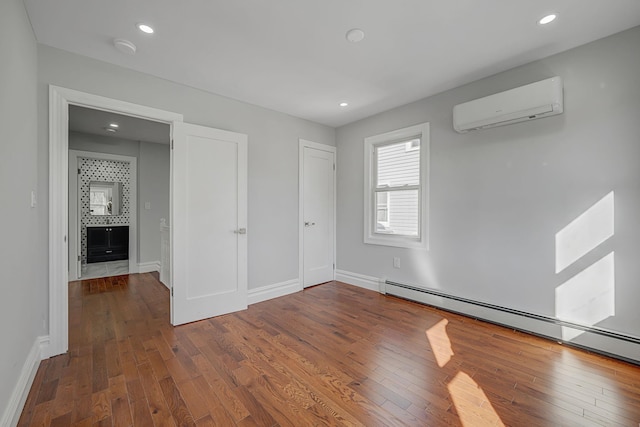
[[107, 243]]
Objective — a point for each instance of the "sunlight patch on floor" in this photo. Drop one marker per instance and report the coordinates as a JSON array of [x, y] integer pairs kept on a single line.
[[440, 343], [472, 405]]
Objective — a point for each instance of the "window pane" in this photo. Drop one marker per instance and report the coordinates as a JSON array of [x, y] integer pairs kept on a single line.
[[398, 164], [382, 210], [401, 210]]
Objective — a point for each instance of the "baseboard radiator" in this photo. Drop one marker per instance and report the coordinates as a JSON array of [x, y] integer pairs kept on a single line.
[[599, 340]]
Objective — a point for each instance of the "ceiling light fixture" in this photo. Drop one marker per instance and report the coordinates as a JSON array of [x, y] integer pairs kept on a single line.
[[125, 46], [344, 104], [355, 35], [114, 125], [547, 19], [110, 130], [145, 28]]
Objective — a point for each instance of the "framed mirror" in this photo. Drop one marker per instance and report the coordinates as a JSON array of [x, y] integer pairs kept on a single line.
[[105, 198]]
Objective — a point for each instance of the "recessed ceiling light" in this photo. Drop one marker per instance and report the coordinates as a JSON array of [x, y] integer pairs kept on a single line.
[[110, 129], [344, 104], [355, 35], [114, 125], [145, 28], [547, 19]]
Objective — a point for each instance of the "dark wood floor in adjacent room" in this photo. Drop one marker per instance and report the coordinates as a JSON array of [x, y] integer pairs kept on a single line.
[[331, 355]]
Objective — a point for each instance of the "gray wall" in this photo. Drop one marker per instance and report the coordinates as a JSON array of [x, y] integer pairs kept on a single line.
[[273, 148], [153, 183], [22, 306], [498, 197]]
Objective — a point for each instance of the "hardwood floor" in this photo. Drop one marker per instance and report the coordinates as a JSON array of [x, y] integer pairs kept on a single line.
[[330, 355]]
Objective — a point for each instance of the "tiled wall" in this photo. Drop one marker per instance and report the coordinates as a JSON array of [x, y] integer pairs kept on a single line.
[[106, 171]]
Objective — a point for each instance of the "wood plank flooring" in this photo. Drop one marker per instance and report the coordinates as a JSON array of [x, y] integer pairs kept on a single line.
[[331, 355]]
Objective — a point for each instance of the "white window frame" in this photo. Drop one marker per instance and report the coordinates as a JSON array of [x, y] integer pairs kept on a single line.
[[370, 209]]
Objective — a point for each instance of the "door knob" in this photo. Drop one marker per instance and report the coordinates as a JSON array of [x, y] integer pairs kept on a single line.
[[309, 224], [241, 231]]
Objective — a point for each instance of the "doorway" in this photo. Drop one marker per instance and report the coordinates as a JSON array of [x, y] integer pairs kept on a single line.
[[186, 166], [317, 213], [122, 161]]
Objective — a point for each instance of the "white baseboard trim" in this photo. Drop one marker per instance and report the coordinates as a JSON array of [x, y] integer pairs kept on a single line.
[[20, 392], [148, 267], [360, 280], [276, 290]]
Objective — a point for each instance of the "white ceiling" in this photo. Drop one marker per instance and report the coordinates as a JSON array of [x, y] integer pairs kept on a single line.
[[292, 55], [87, 120]]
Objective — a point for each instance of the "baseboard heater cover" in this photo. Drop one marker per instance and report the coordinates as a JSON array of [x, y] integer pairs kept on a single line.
[[599, 340]]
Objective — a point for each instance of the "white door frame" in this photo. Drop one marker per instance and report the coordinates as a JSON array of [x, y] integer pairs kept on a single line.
[[75, 219], [59, 100], [302, 144]]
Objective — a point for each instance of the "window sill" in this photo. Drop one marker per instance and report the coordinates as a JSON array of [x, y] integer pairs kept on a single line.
[[395, 241]]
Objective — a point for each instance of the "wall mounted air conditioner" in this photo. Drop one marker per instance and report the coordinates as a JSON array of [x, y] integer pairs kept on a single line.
[[533, 101]]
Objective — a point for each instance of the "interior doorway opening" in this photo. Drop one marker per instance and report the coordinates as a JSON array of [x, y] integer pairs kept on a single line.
[[119, 182], [208, 168], [60, 102]]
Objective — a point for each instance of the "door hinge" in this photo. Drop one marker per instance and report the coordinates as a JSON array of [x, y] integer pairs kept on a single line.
[[172, 144], [334, 265], [79, 171], [334, 166], [78, 257], [171, 291]]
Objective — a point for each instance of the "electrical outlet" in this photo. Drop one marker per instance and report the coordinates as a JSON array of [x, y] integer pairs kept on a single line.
[[396, 262], [147, 205]]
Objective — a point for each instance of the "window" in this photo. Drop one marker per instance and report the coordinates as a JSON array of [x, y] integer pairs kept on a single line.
[[395, 187]]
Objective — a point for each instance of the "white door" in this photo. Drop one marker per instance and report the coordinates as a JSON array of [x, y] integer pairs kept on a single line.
[[209, 214], [75, 218], [318, 215]]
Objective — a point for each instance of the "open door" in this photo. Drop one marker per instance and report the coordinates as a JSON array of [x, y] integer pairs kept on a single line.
[[209, 215], [74, 217]]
